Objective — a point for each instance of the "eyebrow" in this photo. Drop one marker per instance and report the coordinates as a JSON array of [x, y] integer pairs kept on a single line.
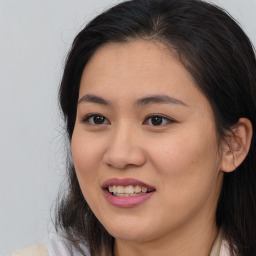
[[93, 99], [152, 99], [159, 99]]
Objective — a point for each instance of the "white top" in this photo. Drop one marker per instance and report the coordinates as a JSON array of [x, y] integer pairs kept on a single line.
[[58, 246]]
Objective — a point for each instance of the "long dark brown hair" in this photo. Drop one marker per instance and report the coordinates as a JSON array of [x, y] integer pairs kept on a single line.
[[220, 57]]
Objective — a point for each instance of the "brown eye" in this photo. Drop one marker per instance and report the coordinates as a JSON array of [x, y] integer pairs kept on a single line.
[[95, 119], [157, 120], [98, 119]]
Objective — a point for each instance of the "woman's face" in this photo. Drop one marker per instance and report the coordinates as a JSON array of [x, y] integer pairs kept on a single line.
[[144, 145]]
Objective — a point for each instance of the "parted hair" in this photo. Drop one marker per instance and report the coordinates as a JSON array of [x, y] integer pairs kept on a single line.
[[221, 59]]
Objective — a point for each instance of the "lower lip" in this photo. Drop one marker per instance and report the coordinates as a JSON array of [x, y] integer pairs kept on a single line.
[[126, 202]]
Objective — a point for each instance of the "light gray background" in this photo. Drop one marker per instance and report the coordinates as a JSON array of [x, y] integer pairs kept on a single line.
[[34, 39]]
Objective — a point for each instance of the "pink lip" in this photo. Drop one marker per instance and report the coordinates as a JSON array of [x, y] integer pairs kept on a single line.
[[126, 202]]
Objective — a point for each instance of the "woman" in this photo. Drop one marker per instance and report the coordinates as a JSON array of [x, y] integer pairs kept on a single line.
[[159, 100]]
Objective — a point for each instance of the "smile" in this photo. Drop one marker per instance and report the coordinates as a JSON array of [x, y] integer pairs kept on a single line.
[[127, 192]]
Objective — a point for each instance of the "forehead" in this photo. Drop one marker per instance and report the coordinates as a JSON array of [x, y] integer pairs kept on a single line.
[[133, 54], [136, 68]]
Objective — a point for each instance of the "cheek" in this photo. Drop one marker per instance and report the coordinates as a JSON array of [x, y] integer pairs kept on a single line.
[[86, 150], [186, 158], [187, 169], [86, 158]]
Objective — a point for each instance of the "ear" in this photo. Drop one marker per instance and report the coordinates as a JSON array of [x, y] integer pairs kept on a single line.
[[237, 145]]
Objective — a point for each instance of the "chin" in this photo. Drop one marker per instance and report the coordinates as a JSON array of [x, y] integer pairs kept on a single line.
[[130, 231], [130, 236]]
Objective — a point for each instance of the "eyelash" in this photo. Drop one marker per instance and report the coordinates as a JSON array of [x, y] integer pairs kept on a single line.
[[162, 118], [87, 118], [167, 120]]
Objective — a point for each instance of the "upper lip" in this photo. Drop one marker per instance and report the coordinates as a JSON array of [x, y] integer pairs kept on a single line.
[[125, 182]]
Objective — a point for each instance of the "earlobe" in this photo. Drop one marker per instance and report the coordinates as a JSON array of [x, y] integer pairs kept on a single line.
[[237, 145]]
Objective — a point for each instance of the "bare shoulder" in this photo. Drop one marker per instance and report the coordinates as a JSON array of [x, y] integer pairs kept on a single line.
[[34, 250]]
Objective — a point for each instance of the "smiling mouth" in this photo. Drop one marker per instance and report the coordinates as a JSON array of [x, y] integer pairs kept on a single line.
[[128, 191]]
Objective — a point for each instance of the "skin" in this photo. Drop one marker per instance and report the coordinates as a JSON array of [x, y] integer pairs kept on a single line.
[[181, 157]]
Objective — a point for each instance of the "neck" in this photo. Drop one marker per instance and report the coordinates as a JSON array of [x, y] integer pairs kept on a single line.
[[196, 241]]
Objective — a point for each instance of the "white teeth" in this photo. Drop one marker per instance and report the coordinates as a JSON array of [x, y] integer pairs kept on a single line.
[[137, 189], [128, 195], [129, 190], [119, 189], [144, 190]]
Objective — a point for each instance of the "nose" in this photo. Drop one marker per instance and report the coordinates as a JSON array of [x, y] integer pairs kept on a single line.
[[124, 149]]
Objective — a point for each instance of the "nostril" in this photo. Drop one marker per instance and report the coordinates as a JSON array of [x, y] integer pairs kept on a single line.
[[124, 158]]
